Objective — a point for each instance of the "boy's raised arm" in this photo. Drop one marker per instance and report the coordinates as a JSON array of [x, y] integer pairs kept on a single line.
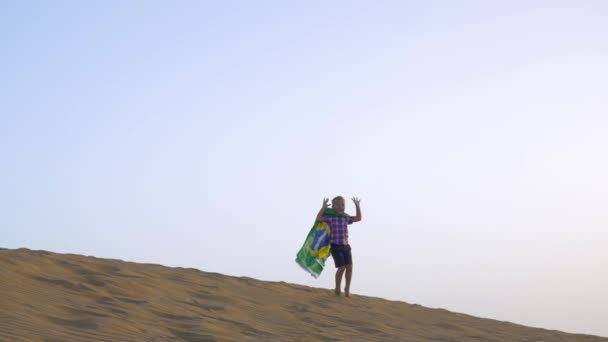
[[322, 211], [357, 205]]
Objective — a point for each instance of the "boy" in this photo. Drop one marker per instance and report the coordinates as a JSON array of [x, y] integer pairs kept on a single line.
[[340, 249]]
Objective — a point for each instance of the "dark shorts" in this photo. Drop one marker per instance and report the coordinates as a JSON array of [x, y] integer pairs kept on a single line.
[[341, 255]]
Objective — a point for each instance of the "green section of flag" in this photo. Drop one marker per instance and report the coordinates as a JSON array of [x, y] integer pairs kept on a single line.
[[332, 212], [311, 263]]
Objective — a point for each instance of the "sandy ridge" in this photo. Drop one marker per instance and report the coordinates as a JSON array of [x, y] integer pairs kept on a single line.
[[64, 297]]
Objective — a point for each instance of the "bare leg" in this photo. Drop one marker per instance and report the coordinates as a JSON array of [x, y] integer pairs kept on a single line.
[[339, 274], [349, 275]]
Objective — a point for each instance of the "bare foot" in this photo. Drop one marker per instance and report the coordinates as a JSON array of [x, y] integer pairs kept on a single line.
[[337, 292], [346, 293]]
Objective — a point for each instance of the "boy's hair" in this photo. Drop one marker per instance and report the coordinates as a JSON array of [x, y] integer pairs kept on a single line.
[[336, 198]]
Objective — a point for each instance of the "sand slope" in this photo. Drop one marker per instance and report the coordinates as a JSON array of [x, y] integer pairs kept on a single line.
[[63, 297]]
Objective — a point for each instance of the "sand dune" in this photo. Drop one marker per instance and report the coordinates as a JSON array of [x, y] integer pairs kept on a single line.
[[63, 297]]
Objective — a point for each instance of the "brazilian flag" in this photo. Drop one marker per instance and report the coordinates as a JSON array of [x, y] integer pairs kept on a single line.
[[316, 248]]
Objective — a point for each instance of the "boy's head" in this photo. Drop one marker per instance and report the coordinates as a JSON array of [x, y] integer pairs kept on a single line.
[[338, 204]]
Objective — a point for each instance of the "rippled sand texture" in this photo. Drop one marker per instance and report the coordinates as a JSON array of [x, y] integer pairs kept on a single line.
[[63, 297]]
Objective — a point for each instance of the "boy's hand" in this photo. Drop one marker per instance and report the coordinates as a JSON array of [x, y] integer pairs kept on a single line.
[[322, 211], [357, 201]]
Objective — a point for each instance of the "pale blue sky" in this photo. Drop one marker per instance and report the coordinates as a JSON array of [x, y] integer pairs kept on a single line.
[[206, 134]]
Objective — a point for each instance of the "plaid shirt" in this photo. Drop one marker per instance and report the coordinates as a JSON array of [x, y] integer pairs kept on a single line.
[[339, 228]]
